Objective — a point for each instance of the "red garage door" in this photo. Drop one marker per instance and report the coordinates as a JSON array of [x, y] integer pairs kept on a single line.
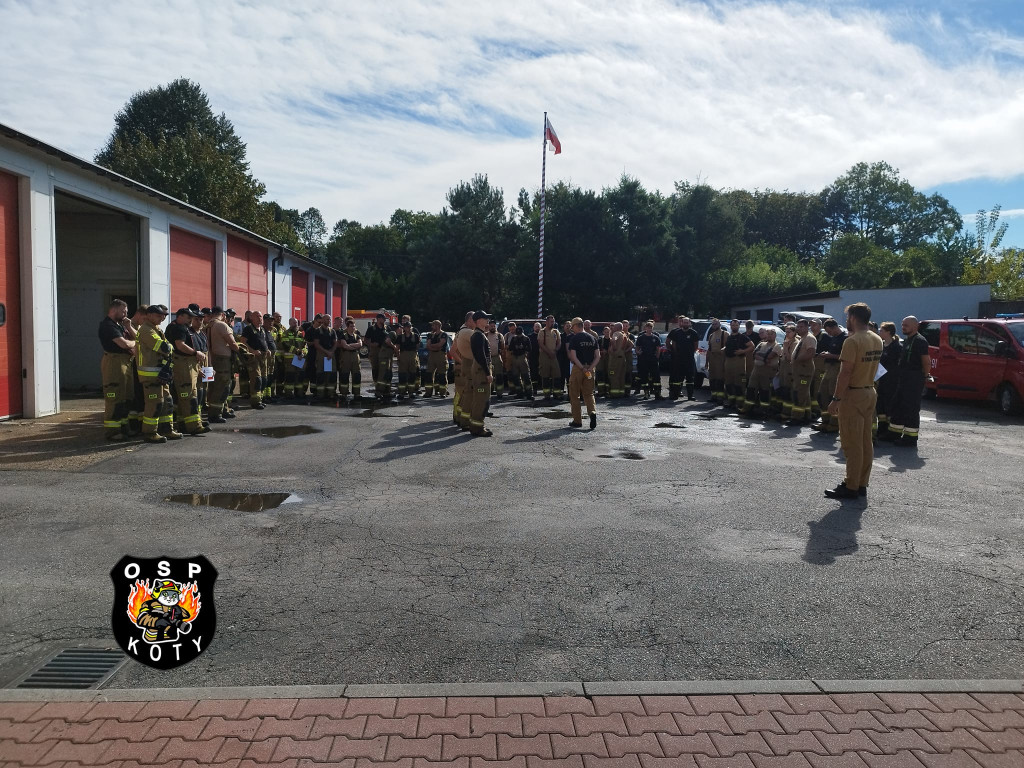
[[247, 275], [300, 294], [10, 299], [337, 294], [193, 270], [320, 295]]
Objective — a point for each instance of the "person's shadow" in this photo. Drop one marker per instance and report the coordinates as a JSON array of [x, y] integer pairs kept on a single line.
[[834, 535]]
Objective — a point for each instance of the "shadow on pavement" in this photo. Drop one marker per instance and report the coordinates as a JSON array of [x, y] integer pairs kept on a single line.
[[834, 535], [416, 439]]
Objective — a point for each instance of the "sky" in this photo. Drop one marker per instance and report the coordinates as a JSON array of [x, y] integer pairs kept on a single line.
[[360, 108]]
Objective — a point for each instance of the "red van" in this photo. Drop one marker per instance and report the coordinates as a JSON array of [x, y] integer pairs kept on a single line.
[[977, 360]]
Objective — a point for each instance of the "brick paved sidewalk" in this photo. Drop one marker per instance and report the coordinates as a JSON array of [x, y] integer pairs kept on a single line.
[[903, 730]]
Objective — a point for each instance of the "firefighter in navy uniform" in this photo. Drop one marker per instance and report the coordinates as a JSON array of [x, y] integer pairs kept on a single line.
[[255, 338], [375, 339], [202, 345], [519, 368], [116, 369], [603, 345], [408, 343], [648, 352], [480, 378], [892, 351], [349, 343], [830, 345], [153, 353], [437, 361], [682, 343], [583, 354], [914, 369]]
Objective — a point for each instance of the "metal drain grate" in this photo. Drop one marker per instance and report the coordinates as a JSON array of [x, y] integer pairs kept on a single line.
[[79, 668]]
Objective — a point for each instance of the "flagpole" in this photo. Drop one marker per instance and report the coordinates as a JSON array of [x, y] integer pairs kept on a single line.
[[543, 171]]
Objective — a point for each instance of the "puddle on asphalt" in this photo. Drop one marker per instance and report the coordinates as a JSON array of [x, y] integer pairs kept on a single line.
[[666, 425], [243, 502], [554, 415], [620, 454], [300, 429], [369, 413]]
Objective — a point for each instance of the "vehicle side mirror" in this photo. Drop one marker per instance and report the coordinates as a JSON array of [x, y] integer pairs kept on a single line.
[[1002, 349]]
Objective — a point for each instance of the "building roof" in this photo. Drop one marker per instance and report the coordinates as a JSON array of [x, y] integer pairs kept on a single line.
[[99, 170], [791, 297]]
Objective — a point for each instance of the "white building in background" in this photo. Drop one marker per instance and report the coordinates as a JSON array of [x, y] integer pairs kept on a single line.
[[74, 236], [943, 302]]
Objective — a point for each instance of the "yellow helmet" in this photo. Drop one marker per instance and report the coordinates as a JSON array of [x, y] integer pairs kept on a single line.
[[165, 586]]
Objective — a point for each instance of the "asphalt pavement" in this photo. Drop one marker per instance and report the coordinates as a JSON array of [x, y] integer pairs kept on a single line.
[[675, 542]]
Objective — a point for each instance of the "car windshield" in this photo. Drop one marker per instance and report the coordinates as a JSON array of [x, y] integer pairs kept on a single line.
[[1017, 329]]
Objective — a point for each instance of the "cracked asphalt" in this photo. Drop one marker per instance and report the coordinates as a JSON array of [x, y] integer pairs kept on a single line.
[[671, 543]]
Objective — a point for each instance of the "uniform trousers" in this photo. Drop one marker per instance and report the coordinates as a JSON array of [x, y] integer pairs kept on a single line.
[[186, 394], [408, 367], [385, 357], [856, 416], [254, 368], [826, 390], [460, 400], [348, 371], [437, 374], [735, 379], [616, 374], [221, 384], [580, 384], [803, 375], [716, 374], [158, 411], [375, 364], [118, 390], [905, 406], [519, 375], [550, 374], [479, 398], [648, 375]]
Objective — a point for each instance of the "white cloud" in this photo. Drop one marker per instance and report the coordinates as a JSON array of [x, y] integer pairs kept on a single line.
[[746, 95]]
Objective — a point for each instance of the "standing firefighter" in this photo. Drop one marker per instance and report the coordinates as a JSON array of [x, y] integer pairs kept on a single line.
[[117, 337], [349, 344], [222, 348], [784, 403], [437, 361], [736, 348], [914, 368], [202, 345], [153, 353], [498, 354], [583, 354], [380, 341], [830, 345], [618, 349], [767, 356], [892, 351], [803, 374], [462, 353], [325, 341], [292, 345], [717, 337], [682, 343], [519, 364], [648, 352], [548, 342], [604, 347], [408, 343], [188, 359], [256, 340], [854, 402], [480, 379]]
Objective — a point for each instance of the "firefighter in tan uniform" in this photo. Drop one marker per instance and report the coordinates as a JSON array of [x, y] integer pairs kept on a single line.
[[463, 356], [549, 340], [187, 359], [408, 343], [784, 404], [803, 374], [854, 401], [496, 342], [819, 368], [117, 337], [153, 353], [480, 378], [437, 361], [717, 337], [737, 345], [347, 353]]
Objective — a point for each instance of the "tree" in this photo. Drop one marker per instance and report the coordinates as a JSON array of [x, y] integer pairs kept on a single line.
[[169, 138], [312, 231], [1004, 271]]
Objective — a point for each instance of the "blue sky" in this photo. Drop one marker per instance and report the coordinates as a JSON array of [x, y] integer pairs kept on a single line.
[[360, 108]]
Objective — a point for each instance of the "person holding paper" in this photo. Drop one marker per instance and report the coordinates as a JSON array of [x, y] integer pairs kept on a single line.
[[885, 385], [349, 344], [325, 341]]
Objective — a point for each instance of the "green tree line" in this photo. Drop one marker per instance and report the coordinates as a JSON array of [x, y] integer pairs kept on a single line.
[[697, 250]]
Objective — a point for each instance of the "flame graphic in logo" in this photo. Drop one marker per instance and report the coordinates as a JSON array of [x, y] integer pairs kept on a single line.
[[141, 592]]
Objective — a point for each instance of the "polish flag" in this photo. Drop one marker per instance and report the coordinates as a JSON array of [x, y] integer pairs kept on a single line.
[[550, 135]]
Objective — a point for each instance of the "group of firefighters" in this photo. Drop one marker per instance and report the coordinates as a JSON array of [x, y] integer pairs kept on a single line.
[[161, 381]]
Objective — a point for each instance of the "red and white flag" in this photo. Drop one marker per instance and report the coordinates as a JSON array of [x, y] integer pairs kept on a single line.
[[550, 135]]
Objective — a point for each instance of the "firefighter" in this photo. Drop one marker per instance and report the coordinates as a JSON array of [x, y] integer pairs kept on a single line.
[[136, 405], [549, 341], [415, 381], [242, 362], [892, 350], [648, 353], [202, 345], [603, 346], [631, 381], [617, 362], [510, 334], [737, 345], [153, 353], [784, 400], [462, 353], [819, 367], [255, 338], [385, 361], [187, 359], [830, 345], [767, 357], [803, 374], [268, 370], [496, 343], [117, 337], [437, 361], [854, 402], [292, 345], [534, 357], [223, 349], [282, 358], [408, 343], [519, 354], [683, 342], [912, 372], [325, 341], [562, 355], [717, 336], [481, 377], [349, 344], [374, 339], [583, 354]]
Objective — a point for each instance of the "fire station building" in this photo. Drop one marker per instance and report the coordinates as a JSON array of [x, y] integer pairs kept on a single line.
[[74, 236]]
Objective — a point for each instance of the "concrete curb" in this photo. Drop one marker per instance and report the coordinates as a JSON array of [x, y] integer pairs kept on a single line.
[[623, 688]]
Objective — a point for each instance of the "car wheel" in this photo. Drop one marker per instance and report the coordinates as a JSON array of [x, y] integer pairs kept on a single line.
[[1009, 401]]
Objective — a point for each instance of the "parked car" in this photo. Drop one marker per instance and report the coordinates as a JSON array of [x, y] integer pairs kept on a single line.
[[422, 354], [977, 360]]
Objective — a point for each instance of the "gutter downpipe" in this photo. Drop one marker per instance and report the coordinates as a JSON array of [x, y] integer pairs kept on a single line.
[[279, 259]]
